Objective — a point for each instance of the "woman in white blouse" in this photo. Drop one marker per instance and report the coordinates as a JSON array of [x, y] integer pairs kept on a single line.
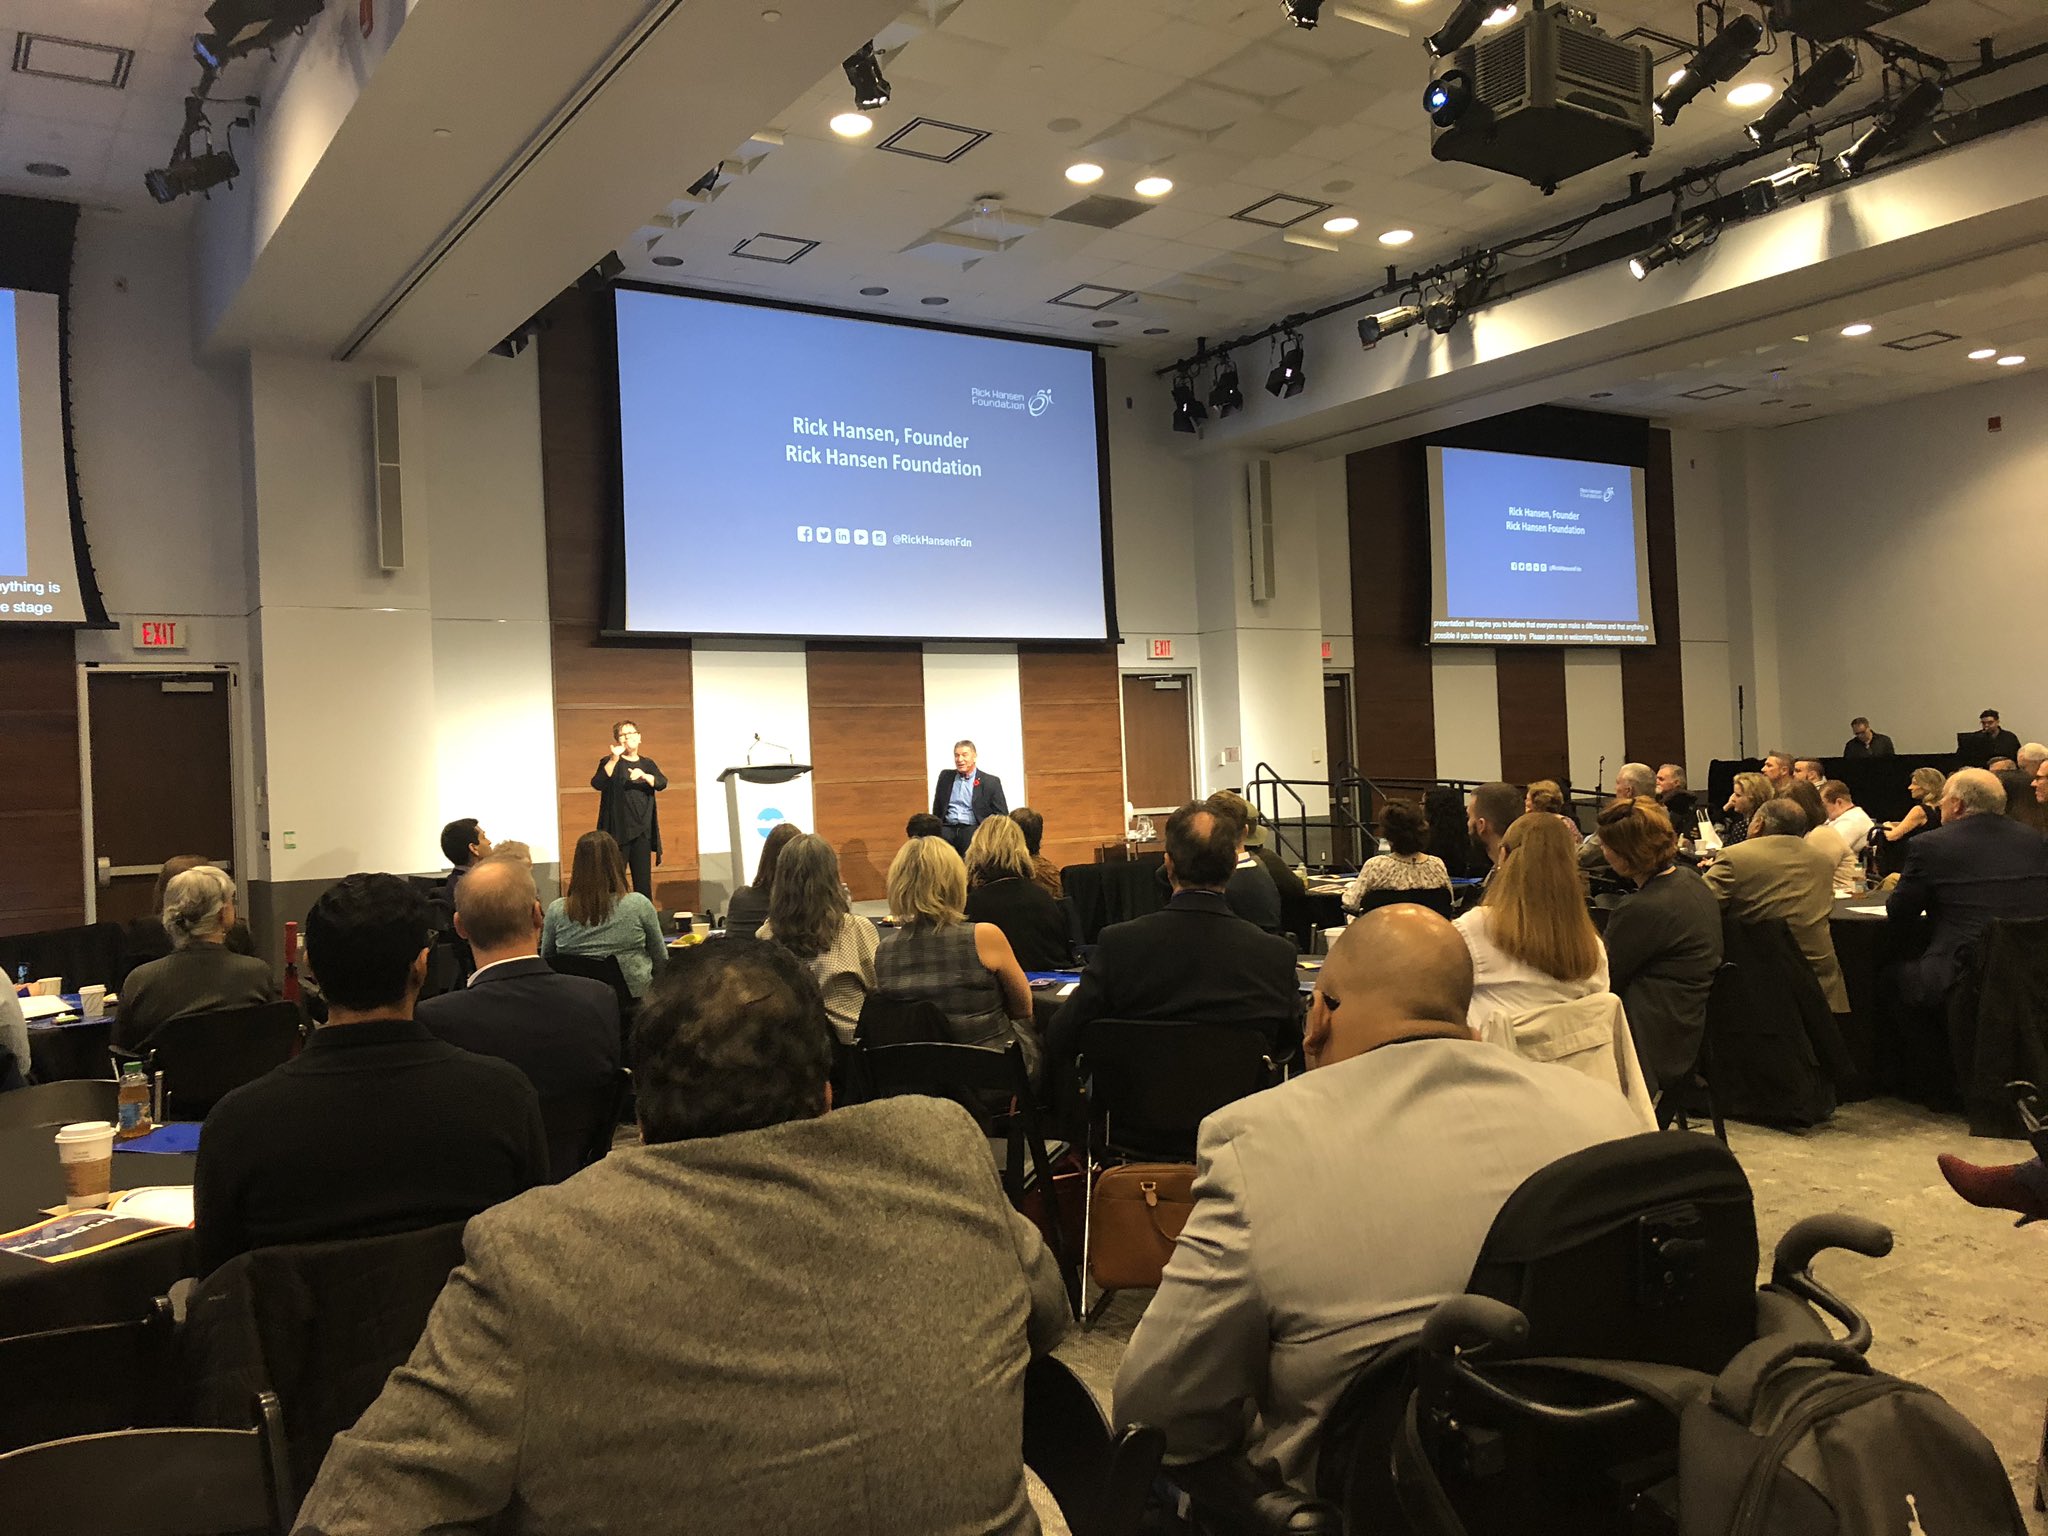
[[1531, 939], [1406, 873]]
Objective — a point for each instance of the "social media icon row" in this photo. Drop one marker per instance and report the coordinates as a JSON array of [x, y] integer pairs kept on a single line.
[[807, 534]]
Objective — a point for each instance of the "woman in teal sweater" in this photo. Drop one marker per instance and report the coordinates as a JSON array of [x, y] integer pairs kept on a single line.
[[604, 915]]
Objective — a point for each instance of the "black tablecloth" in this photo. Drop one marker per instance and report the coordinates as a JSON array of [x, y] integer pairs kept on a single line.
[[1866, 945], [1114, 893], [63, 1052], [114, 1286]]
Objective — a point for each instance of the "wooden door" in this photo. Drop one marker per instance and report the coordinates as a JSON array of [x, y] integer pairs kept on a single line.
[[1341, 754], [1159, 754], [162, 780]]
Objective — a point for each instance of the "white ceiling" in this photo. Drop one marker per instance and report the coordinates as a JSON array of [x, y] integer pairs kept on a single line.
[[105, 135], [1224, 97]]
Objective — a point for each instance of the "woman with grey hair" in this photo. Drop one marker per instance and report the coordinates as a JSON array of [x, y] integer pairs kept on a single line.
[[200, 974], [808, 915]]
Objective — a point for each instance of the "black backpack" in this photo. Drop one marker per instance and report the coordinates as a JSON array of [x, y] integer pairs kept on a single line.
[[1805, 1439]]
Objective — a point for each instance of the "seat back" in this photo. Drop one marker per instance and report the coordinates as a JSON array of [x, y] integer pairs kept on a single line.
[[1641, 1249], [87, 1381], [604, 968], [889, 1019], [152, 1482], [579, 1125], [55, 1104], [1100, 1480], [1352, 1465], [1998, 1021], [202, 1057], [1437, 899], [1766, 1024], [1151, 1083]]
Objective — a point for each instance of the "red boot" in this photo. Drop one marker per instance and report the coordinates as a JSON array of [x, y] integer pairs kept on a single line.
[[1997, 1189]]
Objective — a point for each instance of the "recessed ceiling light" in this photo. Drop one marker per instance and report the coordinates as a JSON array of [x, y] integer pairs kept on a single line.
[[874, 293], [668, 261], [1981, 353], [1084, 173], [444, 133], [1601, 394], [1860, 328], [1754, 94], [2011, 360], [1155, 330], [1343, 224], [1397, 237], [934, 300], [771, 15], [851, 125], [1152, 186], [1502, 15], [48, 168], [1103, 325]]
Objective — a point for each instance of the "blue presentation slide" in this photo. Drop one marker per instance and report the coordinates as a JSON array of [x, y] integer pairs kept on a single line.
[[788, 473], [1538, 551], [13, 487]]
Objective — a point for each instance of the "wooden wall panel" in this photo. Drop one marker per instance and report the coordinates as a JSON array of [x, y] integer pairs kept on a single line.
[[1653, 677], [596, 683], [42, 827], [1073, 747], [1387, 490], [867, 754], [1535, 735]]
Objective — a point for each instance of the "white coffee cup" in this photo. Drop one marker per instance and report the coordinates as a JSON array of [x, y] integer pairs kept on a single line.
[[47, 986], [701, 927], [86, 1149], [92, 1001]]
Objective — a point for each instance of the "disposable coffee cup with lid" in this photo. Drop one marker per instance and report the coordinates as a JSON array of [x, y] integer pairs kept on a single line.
[[86, 1149]]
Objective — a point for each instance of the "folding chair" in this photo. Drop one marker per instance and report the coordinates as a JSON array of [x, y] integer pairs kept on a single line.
[[196, 1061], [579, 1126]]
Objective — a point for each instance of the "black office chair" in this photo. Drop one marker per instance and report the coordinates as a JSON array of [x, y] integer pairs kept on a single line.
[[90, 1380], [196, 1061], [153, 1482], [887, 1019], [55, 1104], [1676, 1101], [448, 965], [1100, 1479], [579, 1126], [604, 968]]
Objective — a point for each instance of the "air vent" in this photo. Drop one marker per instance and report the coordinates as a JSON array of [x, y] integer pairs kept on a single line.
[[63, 58], [1922, 341], [781, 249], [1711, 392], [1595, 61], [1091, 296], [925, 138], [1500, 68], [1281, 211], [1102, 211]]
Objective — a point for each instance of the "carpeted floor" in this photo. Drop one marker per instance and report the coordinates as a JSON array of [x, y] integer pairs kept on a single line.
[[1951, 1307]]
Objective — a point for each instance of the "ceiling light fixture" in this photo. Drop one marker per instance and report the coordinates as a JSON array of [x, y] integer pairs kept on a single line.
[[1287, 379], [1822, 82], [1502, 15], [1695, 234], [1724, 56], [1188, 411], [47, 168], [1397, 236], [1982, 353], [1224, 394], [1152, 186], [1754, 93], [1905, 117], [1374, 329], [864, 74], [1303, 13], [187, 174], [1084, 173], [1860, 328], [238, 27], [1343, 224], [1465, 19], [851, 125], [1768, 193], [2011, 360]]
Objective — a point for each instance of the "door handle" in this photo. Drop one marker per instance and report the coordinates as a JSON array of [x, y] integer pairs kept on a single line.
[[103, 871]]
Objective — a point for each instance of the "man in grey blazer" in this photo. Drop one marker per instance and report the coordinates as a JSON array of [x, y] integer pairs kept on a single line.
[[1776, 874], [1333, 1212], [769, 1320]]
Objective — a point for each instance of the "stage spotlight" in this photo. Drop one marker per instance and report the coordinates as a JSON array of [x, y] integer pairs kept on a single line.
[[1723, 58], [1303, 13], [1374, 329], [187, 174], [1695, 233], [1905, 117], [1287, 380], [1188, 411], [864, 74], [1768, 193], [1457, 30], [1442, 313], [1822, 83], [1224, 395], [237, 27], [1447, 97]]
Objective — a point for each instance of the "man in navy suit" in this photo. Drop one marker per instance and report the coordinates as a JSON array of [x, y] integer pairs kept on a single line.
[[965, 797], [1976, 866]]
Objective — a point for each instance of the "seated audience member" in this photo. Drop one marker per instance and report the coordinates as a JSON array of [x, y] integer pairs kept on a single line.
[[1925, 816], [1044, 873], [462, 843], [1450, 833], [968, 969], [146, 938], [808, 915], [747, 908], [776, 1394], [604, 915], [1848, 869], [1258, 842], [1194, 962], [15, 1061], [1000, 890], [1777, 769], [1864, 742], [1750, 791], [376, 1126], [1292, 1274], [924, 824], [1775, 873], [1999, 765], [2020, 804], [513, 849], [1635, 781], [1808, 770], [1663, 943], [1546, 797], [1851, 822], [1995, 741], [1531, 939], [561, 1031], [1679, 802], [200, 974], [1978, 866], [2031, 757], [2019, 1187], [1494, 808], [1406, 873], [1253, 894]]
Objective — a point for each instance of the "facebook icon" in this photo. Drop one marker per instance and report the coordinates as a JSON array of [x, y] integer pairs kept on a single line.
[[803, 533]]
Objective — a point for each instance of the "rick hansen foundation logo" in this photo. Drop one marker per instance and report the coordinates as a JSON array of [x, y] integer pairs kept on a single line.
[[1041, 402], [1009, 400], [1596, 493]]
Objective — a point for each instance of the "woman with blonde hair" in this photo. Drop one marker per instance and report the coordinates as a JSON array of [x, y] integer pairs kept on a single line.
[[1002, 889], [604, 915], [1926, 812], [1531, 939], [1750, 791], [967, 968]]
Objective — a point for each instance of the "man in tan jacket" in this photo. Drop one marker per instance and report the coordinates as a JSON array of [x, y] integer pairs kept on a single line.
[[1776, 873]]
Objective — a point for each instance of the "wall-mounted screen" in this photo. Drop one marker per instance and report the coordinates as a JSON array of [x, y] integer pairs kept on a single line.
[[789, 473], [38, 558], [1536, 551]]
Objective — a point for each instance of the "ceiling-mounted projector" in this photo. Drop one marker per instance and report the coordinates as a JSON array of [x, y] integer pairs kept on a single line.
[[1544, 98], [1822, 21]]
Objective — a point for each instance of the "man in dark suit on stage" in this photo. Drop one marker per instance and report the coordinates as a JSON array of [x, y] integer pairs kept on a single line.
[[1976, 866], [965, 797], [1196, 962]]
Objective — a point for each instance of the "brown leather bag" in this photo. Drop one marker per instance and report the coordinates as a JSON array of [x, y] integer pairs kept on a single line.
[[1134, 1215]]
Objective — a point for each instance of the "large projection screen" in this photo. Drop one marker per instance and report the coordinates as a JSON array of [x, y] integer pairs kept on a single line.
[[39, 581], [787, 472]]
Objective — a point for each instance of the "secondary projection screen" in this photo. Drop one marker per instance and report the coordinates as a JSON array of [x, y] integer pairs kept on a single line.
[[38, 565], [1535, 551], [790, 473]]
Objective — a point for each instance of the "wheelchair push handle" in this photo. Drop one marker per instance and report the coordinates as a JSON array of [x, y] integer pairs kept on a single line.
[[1807, 1239], [1462, 1324]]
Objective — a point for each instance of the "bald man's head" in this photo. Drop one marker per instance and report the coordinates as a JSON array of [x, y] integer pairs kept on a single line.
[[497, 907], [1399, 970]]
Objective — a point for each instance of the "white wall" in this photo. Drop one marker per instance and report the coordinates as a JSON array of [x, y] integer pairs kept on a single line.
[[971, 694], [1151, 494], [1465, 695], [736, 693]]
